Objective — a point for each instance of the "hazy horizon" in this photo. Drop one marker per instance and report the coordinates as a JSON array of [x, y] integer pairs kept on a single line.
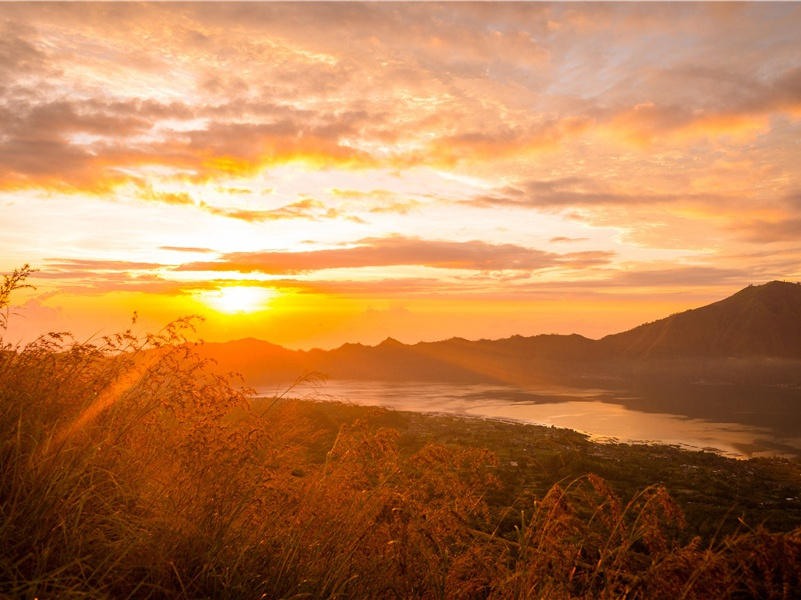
[[313, 174]]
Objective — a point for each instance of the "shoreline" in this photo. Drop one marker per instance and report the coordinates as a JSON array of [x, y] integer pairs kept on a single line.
[[600, 414]]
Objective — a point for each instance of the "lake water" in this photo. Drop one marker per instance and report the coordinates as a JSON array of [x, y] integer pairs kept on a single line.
[[605, 415]]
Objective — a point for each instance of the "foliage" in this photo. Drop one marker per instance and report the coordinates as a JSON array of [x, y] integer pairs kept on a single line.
[[129, 470]]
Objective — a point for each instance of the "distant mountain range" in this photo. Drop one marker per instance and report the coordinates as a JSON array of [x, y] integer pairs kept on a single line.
[[756, 333]]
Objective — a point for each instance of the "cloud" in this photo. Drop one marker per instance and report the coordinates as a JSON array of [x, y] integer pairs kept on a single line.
[[477, 145], [378, 288], [234, 191], [87, 276], [96, 143], [32, 319], [67, 144], [585, 260], [766, 232], [99, 279], [174, 198], [650, 123], [307, 208], [560, 239], [398, 207], [398, 251], [187, 249], [378, 201], [690, 275], [782, 226], [17, 54], [441, 85], [243, 148], [571, 192], [688, 102], [643, 281], [655, 279], [70, 264], [669, 125], [100, 286]]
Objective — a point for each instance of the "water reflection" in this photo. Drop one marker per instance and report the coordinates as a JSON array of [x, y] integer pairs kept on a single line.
[[699, 419]]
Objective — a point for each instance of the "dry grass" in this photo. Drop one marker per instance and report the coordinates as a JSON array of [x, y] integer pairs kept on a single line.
[[128, 470]]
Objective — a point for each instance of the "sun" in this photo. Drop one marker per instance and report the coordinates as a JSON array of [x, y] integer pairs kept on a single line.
[[238, 299]]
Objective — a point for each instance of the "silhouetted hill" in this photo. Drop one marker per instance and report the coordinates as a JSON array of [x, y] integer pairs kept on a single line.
[[258, 361], [759, 323], [513, 360]]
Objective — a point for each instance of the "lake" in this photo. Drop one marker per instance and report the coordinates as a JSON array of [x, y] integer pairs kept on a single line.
[[735, 422]]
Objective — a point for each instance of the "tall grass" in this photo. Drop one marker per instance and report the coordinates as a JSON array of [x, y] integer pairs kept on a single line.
[[128, 469]]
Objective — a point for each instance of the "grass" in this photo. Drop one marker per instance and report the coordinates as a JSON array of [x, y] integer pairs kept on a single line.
[[129, 470]]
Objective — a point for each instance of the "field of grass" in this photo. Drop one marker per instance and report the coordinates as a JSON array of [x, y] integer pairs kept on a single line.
[[129, 470]]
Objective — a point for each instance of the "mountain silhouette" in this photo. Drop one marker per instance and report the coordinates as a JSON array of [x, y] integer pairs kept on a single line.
[[759, 321], [759, 324]]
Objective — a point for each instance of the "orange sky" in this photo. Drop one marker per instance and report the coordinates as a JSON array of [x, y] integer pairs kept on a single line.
[[314, 174]]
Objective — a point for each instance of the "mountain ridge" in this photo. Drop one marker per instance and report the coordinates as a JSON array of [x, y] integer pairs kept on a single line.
[[757, 324], [758, 321]]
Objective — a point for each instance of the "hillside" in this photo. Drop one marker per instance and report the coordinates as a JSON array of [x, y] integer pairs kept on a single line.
[[758, 324]]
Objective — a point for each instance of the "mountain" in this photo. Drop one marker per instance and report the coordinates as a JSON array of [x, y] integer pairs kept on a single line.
[[513, 360], [758, 324]]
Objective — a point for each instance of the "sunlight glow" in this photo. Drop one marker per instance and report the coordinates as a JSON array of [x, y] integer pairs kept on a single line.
[[238, 299]]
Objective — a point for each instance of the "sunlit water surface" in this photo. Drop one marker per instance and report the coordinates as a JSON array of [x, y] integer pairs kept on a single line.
[[604, 415]]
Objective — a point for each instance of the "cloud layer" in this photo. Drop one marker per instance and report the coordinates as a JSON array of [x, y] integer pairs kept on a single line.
[[481, 148], [474, 255]]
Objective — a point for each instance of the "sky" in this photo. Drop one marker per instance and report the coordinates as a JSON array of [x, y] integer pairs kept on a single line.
[[319, 173]]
